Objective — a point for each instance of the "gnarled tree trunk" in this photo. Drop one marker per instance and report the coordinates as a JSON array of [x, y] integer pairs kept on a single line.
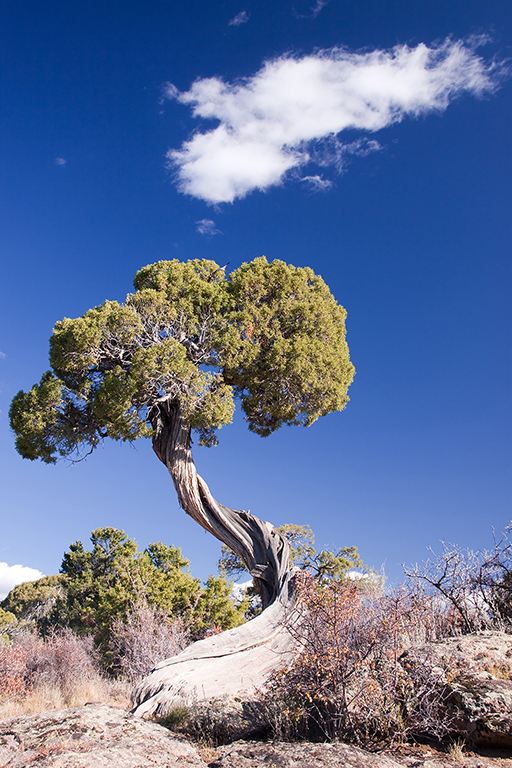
[[237, 662], [264, 550]]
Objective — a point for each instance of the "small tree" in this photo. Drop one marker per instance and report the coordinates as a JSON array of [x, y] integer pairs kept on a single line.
[[40, 603], [172, 359], [98, 588]]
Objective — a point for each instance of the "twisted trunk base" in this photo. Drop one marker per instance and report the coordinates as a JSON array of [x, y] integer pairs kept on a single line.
[[233, 665], [239, 661]]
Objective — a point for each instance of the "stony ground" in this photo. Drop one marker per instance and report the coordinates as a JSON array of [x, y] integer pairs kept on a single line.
[[247, 754], [99, 736], [93, 736]]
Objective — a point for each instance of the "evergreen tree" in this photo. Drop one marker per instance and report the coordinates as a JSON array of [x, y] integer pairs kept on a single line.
[[98, 587], [172, 359]]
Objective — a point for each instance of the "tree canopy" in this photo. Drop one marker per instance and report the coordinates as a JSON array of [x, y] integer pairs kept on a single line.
[[173, 358], [271, 335]]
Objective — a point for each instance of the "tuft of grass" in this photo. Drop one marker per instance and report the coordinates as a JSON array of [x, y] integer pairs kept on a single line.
[[207, 752], [456, 751], [176, 717]]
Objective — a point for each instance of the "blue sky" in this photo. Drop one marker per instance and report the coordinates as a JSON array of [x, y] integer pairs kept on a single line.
[[368, 140]]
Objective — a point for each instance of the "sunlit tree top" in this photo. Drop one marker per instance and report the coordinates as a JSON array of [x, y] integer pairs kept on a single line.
[[270, 335]]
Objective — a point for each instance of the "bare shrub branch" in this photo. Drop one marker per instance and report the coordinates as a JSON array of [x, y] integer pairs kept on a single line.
[[476, 584], [145, 637], [347, 680]]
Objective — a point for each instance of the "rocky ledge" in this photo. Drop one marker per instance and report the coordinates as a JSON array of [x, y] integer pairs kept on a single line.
[[476, 670], [99, 736], [93, 736]]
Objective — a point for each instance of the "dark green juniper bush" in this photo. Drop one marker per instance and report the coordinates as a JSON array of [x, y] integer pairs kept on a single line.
[[173, 358]]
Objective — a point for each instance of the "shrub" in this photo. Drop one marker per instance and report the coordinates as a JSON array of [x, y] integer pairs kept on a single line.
[[346, 680], [476, 584], [51, 673], [144, 638]]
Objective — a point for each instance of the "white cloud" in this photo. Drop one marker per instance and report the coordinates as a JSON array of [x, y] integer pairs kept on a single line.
[[316, 183], [2, 355], [240, 18], [318, 7], [11, 575], [60, 161], [207, 227], [292, 110]]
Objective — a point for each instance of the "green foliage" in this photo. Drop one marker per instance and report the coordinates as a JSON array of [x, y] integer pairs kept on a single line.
[[335, 565], [175, 718], [215, 608], [324, 565], [105, 582], [7, 621], [270, 334], [41, 603], [291, 363], [23, 599], [42, 420], [96, 587], [301, 540]]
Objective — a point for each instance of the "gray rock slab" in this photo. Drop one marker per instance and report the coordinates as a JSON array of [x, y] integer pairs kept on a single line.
[[93, 736], [257, 754], [477, 669], [253, 754]]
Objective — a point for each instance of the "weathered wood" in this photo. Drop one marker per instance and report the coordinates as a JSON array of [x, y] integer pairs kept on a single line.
[[239, 661], [231, 665], [262, 548]]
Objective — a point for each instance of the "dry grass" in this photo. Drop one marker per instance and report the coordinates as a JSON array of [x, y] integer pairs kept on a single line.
[[456, 751], [207, 752], [501, 671], [59, 672], [46, 697]]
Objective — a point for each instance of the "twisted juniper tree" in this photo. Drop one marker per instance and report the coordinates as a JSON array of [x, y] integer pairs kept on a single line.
[[173, 358]]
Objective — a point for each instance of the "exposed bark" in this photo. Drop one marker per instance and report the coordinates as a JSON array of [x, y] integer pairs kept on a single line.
[[239, 661], [264, 550], [231, 666]]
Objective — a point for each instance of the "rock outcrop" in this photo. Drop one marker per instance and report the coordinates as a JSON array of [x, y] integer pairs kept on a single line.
[[93, 736], [256, 754], [99, 736], [477, 670]]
